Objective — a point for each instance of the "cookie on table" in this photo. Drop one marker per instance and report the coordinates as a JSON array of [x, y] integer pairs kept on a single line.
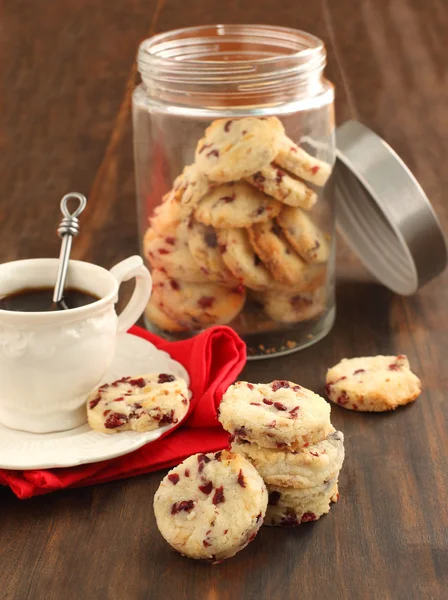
[[372, 383], [289, 507], [280, 414], [188, 188], [211, 505], [241, 259], [235, 148], [139, 403], [171, 253], [285, 188], [303, 235], [154, 313], [236, 205], [166, 217], [195, 306], [295, 160], [294, 306], [204, 247], [305, 469], [285, 265]]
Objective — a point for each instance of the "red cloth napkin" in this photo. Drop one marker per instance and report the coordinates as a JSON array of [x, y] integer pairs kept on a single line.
[[214, 360]]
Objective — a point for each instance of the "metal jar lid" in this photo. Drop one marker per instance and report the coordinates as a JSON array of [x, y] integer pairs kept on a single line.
[[383, 212]]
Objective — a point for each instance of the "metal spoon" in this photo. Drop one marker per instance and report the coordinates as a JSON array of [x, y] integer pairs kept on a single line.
[[68, 229]]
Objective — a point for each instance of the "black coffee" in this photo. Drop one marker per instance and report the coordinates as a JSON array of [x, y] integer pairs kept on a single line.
[[41, 300]]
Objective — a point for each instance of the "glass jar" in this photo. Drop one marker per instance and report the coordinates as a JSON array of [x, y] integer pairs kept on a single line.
[[234, 142]]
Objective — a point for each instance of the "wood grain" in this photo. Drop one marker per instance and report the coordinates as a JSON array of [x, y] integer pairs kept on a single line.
[[67, 75]]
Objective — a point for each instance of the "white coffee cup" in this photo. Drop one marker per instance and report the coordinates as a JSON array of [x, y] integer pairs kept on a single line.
[[50, 361]]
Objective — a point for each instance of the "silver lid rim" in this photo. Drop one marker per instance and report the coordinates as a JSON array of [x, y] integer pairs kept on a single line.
[[384, 213]]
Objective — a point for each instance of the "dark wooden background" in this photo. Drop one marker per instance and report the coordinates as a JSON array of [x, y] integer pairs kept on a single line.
[[67, 75]]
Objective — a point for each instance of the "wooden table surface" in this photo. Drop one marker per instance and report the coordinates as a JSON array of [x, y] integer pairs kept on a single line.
[[67, 75]]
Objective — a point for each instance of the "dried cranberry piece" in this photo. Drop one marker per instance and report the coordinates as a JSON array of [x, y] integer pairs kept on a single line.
[[115, 420], [255, 404], [258, 178], [279, 406], [307, 517], [274, 497], [206, 488], [117, 383], [218, 455], [136, 405], [343, 399], [241, 480], [258, 518], [281, 445], [174, 478], [186, 505], [206, 544], [138, 382], [106, 412], [268, 402], [314, 169], [218, 496], [165, 378], [394, 367], [204, 147], [94, 402], [279, 176], [359, 371], [170, 240], [239, 289], [225, 531], [227, 125], [175, 286], [119, 399], [202, 460], [289, 520], [228, 199], [328, 388], [314, 453], [279, 383], [210, 239], [206, 302], [272, 425], [293, 412], [213, 153], [355, 407], [163, 251], [168, 418], [187, 472], [250, 386], [222, 248], [184, 400]]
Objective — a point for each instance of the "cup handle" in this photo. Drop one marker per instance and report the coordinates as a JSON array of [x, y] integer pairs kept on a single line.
[[123, 271]]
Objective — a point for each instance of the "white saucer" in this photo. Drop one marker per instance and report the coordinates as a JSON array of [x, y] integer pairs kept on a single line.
[[23, 451]]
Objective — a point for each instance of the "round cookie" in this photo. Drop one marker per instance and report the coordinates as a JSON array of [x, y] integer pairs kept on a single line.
[[155, 315], [171, 253], [283, 262], [276, 182], [204, 247], [236, 205], [303, 235], [188, 188], [373, 383], [300, 163], [294, 306], [280, 414], [235, 148], [166, 216], [211, 505], [195, 306], [289, 507], [140, 403], [305, 469], [241, 259]]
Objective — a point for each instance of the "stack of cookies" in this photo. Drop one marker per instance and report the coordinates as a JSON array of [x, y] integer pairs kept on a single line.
[[284, 430], [238, 220]]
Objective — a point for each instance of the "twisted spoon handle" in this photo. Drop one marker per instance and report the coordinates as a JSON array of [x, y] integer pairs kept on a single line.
[[68, 229]]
